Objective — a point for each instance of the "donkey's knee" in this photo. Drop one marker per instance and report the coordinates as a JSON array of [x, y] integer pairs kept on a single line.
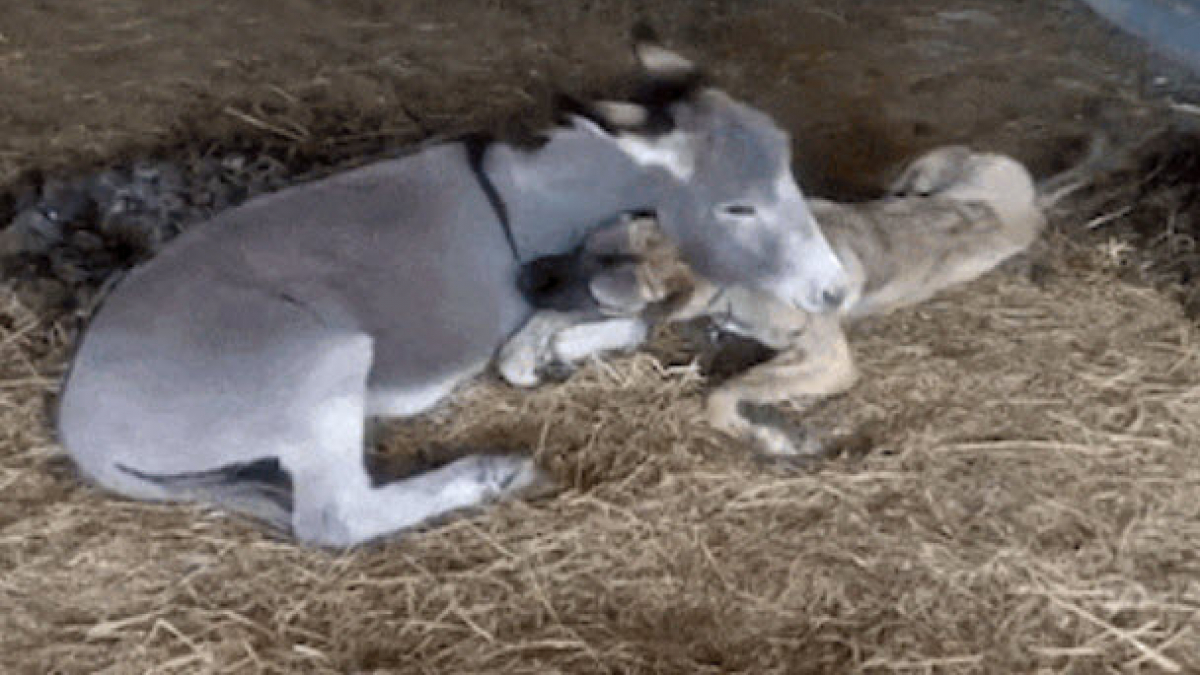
[[328, 493]]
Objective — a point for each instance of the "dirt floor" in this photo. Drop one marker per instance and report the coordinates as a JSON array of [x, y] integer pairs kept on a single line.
[[1023, 489]]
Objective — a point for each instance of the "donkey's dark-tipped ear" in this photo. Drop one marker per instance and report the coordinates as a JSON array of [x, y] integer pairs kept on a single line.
[[666, 77], [613, 117], [658, 61], [664, 64]]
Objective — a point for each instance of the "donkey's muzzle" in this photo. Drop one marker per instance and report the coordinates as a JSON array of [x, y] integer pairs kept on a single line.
[[833, 298], [826, 299]]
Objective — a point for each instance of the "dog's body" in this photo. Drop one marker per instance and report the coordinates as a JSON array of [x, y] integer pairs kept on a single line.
[[955, 215]]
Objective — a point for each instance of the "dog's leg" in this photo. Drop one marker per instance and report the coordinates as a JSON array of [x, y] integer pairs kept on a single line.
[[819, 365]]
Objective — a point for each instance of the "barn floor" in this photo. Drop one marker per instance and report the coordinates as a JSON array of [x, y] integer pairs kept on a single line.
[[1019, 487]]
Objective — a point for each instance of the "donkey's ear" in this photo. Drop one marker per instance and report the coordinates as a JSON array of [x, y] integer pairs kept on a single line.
[[613, 117], [666, 77], [664, 64], [656, 60], [621, 115], [672, 151]]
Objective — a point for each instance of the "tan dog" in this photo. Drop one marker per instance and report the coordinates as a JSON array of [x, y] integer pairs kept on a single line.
[[955, 215]]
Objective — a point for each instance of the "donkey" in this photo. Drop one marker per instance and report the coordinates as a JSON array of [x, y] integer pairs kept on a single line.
[[253, 349], [953, 215]]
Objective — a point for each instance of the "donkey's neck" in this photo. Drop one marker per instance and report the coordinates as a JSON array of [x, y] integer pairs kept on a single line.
[[556, 194]]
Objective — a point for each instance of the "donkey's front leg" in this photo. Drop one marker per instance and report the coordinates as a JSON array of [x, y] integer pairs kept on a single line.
[[521, 360], [819, 365], [551, 338], [576, 343]]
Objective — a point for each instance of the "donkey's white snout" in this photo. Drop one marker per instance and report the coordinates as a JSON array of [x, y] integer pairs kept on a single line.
[[822, 298], [820, 286], [816, 297], [815, 279]]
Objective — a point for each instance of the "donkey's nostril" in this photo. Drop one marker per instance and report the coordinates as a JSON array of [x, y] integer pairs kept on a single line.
[[833, 299]]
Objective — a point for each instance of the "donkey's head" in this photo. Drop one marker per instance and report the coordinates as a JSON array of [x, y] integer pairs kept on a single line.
[[728, 197]]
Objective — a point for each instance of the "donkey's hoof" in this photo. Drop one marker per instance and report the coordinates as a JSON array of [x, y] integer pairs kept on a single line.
[[556, 371], [521, 361], [505, 475], [520, 368], [778, 443]]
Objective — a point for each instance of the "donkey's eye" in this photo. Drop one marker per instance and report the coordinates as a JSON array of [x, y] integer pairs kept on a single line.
[[737, 210]]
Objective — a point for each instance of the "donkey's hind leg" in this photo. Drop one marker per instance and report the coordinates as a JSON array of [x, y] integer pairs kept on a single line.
[[334, 501], [342, 508]]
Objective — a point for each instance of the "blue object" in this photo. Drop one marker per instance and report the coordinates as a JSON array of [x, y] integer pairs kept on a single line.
[[1170, 26]]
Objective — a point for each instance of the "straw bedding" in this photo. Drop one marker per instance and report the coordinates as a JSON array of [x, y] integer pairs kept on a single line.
[[1019, 493], [1016, 483]]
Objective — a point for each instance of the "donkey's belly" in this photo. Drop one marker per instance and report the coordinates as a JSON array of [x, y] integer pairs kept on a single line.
[[450, 336]]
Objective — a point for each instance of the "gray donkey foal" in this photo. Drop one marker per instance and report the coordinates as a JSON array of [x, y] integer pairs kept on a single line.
[[266, 337]]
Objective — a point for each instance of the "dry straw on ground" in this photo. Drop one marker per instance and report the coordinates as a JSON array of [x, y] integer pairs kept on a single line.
[[1020, 490], [1026, 500]]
